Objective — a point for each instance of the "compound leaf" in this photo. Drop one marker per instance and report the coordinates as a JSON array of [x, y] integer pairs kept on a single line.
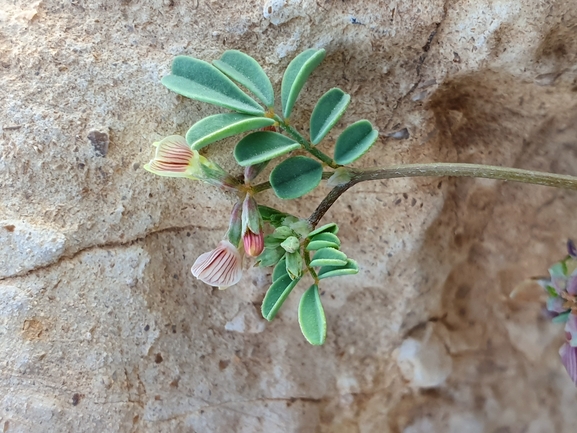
[[201, 81], [295, 76], [262, 146], [312, 317], [296, 176], [354, 142], [219, 126], [245, 70], [327, 113]]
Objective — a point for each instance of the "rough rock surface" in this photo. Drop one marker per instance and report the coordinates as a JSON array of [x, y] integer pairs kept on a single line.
[[104, 329]]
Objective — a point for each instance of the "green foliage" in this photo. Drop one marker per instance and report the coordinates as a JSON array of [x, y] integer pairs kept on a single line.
[[279, 270], [219, 126], [295, 76], [272, 216], [276, 295], [293, 249], [330, 227], [312, 317], [245, 70], [323, 240], [262, 146], [336, 271], [327, 113], [329, 257], [291, 244], [270, 256], [296, 176], [355, 141], [294, 264], [201, 81]]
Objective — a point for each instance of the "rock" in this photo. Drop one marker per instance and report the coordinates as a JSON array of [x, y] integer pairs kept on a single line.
[[247, 320], [24, 246], [99, 141], [102, 325], [425, 361]]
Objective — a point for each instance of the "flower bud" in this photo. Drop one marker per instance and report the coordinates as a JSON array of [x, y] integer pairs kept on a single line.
[[251, 219], [253, 243], [234, 232], [252, 171]]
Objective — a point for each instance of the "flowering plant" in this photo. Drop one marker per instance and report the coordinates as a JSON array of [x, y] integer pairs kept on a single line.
[[296, 246]]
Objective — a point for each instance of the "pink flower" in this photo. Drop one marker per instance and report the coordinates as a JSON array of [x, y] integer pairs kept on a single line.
[[221, 267], [175, 158]]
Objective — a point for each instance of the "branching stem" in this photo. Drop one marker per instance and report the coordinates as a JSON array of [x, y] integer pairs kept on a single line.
[[306, 144], [443, 169]]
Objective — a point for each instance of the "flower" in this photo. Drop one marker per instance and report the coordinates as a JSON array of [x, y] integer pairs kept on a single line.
[[571, 330], [252, 234], [569, 359], [221, 267], [175, 158]]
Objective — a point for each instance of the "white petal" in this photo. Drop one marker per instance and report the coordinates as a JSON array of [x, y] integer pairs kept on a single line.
[[220, 267]]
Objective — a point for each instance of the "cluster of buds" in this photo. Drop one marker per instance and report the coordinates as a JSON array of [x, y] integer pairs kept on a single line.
[[562, 305], [221, 267]]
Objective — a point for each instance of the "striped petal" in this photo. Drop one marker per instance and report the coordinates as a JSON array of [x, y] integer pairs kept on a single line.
[[220, 267], [175, 158], [253, 243]]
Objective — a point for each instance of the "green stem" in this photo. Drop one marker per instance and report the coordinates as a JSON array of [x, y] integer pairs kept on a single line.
[[443, 169], [307, 258], [306, 144]]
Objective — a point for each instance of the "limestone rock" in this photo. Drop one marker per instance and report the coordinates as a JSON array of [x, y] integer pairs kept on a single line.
[[104, 329]]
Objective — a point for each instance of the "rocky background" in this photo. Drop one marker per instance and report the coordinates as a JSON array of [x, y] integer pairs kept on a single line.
[[104, 329]]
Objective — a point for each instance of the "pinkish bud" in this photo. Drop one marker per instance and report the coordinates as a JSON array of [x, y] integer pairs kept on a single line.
[[253, 243], [221, 267]]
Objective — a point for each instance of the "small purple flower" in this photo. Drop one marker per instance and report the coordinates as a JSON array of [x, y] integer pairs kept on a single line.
[[571, 330], [556, 305], [572, 249], [569, 360], [572, 285]]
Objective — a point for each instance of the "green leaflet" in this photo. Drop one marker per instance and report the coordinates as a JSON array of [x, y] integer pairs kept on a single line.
[[245, 70], [335, 271], [330, 227], [219, 126], [296, 176], [262, 146], [279, 270], [329, 109], [291, 244], [295, 76], [294, 264], [354, 142], [323, 240], [274, 217], [329, 257], [312, 317], [276, 295], [201, 81], [270, 257]]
